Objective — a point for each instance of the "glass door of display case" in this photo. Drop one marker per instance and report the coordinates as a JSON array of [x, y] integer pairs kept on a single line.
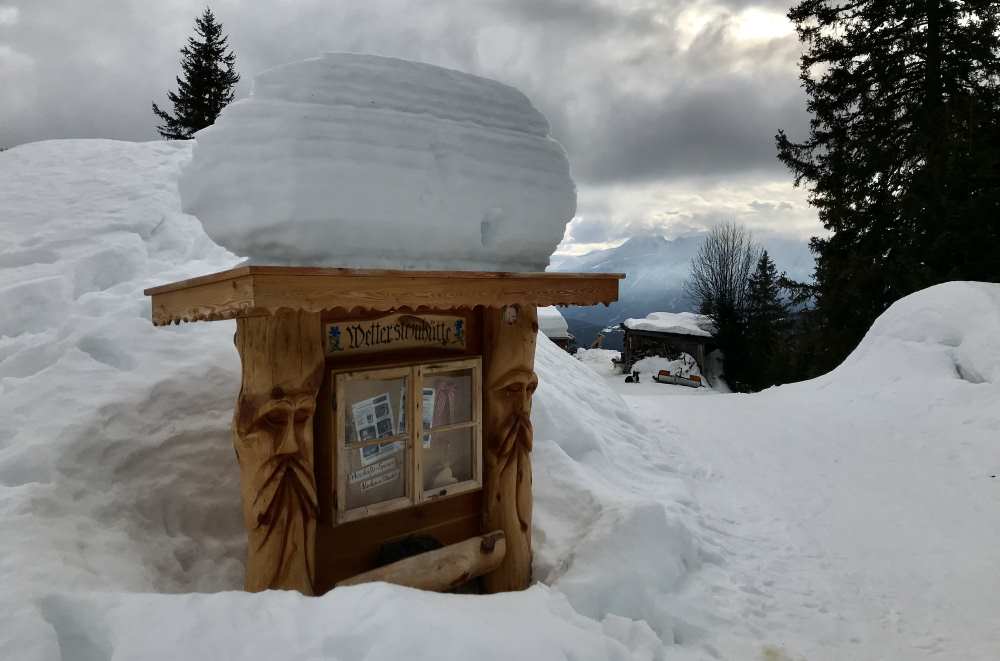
[[373, 447], [451, 441], [379, 466]]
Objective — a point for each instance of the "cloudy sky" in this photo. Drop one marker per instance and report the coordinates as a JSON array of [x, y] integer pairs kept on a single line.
[[667, 108]]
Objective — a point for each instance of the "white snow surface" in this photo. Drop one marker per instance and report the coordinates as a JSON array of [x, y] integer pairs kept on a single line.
[[552, 323], [367, 161], [119, 488], [599, 360], [685, 323], [848, 517], [684, 365]]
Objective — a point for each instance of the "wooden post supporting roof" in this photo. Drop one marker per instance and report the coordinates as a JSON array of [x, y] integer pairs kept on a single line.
[[509, 383], [282, 359]]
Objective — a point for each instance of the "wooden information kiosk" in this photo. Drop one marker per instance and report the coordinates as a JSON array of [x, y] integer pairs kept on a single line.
[[376, 406]]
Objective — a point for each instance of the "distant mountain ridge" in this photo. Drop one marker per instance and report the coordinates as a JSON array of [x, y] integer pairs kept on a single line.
[[655, 269]]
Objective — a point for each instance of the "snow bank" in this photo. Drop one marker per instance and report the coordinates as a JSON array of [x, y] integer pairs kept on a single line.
[[599, 360], [119, 490], [685, 323], [374, 622], [113, 435], [358, 160], [552, 323], [865, 500], [954, 326], [615, 528], [684, 366]]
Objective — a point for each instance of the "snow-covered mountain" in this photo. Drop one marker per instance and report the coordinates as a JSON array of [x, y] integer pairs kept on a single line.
[[655, 270]]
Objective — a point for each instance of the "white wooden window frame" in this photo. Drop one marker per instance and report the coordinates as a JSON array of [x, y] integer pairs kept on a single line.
[[412, 439]]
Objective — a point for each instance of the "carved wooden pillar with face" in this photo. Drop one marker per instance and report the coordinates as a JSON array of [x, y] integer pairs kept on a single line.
[[282, 358], [509, 381]]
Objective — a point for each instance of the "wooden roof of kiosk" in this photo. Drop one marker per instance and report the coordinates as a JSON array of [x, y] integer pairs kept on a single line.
[[261, 290], [289, 441]]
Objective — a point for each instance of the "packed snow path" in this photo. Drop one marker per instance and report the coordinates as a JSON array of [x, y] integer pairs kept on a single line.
[[863, 505]]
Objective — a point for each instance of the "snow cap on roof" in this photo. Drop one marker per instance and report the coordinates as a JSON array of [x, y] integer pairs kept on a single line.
[[552, 323], [681, 323], [365, 161]]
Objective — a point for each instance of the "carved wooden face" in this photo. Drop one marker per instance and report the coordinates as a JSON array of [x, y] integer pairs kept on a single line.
[[275, 449], [510, 413], [512, 393]]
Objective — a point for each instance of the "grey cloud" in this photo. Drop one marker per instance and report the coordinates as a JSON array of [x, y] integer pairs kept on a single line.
[[766, 207], [590, 230], [720, 129], [629, 105], [627, 96], [98, 65], [626, 103], [583, 17]]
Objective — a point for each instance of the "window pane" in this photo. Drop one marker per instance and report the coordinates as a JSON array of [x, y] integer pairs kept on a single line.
[[374, 408], [447, 398], [447, 458], [375, 474]]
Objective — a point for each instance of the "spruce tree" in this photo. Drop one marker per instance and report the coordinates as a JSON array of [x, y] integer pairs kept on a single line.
[[206, 87], [901, 158], [765, 323]]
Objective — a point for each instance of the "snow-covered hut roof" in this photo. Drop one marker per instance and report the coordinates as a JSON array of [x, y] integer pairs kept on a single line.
[[552, 323], [680, 323]]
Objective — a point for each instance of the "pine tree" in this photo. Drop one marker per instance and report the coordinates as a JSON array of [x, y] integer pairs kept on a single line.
[[901, 158], [765, 323], [209, 76]]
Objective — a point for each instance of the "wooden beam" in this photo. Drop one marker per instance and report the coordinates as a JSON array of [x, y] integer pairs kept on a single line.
[[442, 569], [263, 290]]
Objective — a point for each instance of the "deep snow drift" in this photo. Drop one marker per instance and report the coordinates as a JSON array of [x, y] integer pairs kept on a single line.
[[864, 502], [849, 517], [117, 474], [381, 162]]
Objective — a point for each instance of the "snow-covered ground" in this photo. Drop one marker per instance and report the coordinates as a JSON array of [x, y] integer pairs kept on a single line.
[[118, 485], [861, 506], [865, 502], [849, 517], [600, 360]]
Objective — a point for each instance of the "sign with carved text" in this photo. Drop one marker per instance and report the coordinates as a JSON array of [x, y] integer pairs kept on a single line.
[[395, 331]]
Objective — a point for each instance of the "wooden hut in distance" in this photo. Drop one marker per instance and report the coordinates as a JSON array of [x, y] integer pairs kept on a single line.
[[553, 325], [667, 334]]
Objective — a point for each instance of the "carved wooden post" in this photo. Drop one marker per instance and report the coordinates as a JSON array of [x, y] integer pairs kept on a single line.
[[510, 381], [282, 357]]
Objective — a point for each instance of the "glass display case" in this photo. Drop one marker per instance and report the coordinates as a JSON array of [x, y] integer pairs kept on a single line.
[[380, 467]]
